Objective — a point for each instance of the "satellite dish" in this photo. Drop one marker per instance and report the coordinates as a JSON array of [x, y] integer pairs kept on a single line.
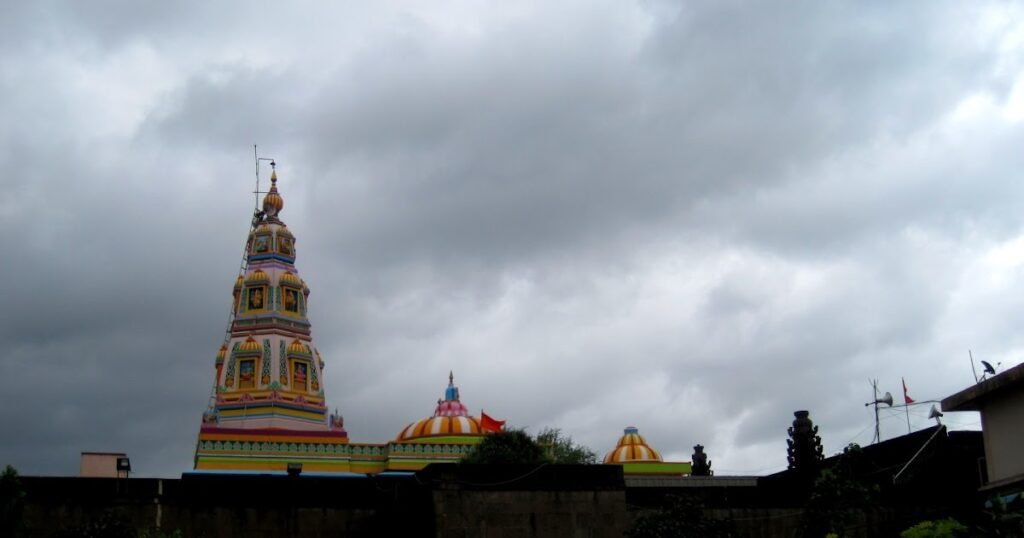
[[887, 399], [934, 413], [988, 368]]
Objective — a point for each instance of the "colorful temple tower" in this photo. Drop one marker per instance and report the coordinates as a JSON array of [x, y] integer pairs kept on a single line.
[[268, 407]]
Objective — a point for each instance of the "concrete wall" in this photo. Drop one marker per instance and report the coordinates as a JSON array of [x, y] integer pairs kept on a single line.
[[1003, 428]]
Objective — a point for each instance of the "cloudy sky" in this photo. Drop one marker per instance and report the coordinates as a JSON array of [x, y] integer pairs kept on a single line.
[[691, 217]]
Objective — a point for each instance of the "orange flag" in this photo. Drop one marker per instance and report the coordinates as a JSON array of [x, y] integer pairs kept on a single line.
[[906, 397], [488, 424]]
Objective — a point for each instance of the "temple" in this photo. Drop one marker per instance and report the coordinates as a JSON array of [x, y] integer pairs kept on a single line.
[[268, 408]]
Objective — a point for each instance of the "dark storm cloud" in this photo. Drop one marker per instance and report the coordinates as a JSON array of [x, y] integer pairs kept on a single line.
[[692, 218]]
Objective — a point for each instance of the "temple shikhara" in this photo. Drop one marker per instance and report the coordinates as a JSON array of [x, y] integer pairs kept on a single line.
[[269, 408]]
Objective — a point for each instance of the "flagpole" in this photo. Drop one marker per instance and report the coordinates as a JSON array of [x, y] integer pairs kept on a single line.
[[906, 401]]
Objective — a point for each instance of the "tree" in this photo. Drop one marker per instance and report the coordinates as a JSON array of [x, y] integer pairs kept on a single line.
[[12, 502], [506, 447], [678, 518], [563, 449], [942, 528], [840, 495]]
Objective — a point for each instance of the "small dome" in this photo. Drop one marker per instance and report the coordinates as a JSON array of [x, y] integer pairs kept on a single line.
[[273, 199], [632, 448], [291, 279], [440, 426], [450, 417], [222, 352], [238, 282], [249, 345], [298, 347], [257, 276]]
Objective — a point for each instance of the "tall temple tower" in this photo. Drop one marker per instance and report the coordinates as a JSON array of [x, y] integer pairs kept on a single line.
[[268, 412], [269, 375]]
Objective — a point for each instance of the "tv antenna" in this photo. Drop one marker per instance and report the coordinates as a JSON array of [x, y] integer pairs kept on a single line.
[[886, 399], [987, 368]]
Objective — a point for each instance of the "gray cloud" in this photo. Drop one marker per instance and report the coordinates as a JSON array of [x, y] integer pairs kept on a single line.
[[691, 218]]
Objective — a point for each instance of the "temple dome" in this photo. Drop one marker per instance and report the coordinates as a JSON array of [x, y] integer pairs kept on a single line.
[[291, 279], [257, 276], [238, 282], [249, 345], [273, 199], [298, 347], [451, 417], [632, 448]]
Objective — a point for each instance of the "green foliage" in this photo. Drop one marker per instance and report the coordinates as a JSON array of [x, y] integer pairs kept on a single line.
[[158, 534], [942, 528], [12, 502], [679, 518], [839, 495], [506, 447], [111, 524], [563, 449]]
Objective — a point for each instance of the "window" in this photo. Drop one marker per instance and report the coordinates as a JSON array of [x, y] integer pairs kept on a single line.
[[247, 373], [262, 244], [257, 298], [284, 246], [300, 375], [291, 300]]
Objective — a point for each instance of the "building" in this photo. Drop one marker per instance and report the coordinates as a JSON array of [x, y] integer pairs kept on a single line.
[[104, 465], [1000, 400], [268, 411]]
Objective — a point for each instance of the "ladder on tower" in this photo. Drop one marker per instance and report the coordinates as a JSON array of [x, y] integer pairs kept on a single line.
[[257, 218]]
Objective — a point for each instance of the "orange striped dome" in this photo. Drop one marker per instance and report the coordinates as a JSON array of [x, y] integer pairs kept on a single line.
[[273, 199], [632, 448], [440, 426], [450, 418]]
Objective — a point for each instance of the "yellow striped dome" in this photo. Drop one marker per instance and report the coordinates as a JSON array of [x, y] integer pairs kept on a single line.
[[257, 276], [632, 448], [249, 345], [222, 352], [440, 426], [291, 279], [238, 282], [273, 199], [298, 347]]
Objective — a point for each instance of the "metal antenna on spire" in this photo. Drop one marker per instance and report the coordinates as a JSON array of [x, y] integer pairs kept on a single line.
[[256, 219]]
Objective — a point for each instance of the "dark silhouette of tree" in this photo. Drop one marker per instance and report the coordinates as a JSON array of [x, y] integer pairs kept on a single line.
[[506, 447], [678, 518], [563, 449], [839, 496], [12, 502]]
